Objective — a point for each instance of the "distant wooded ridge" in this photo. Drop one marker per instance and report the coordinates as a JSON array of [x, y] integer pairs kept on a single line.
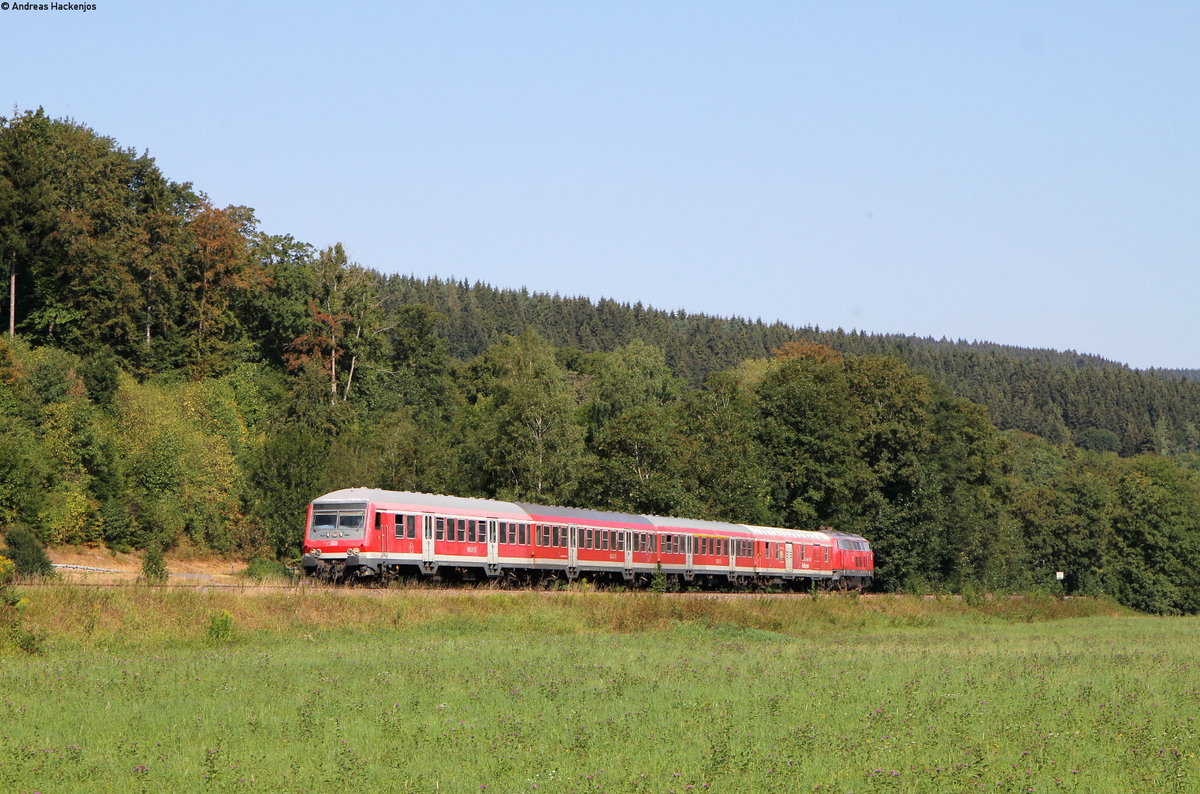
[[1053, 394]]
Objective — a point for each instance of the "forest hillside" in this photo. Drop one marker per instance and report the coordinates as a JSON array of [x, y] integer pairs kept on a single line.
[[174, 375]]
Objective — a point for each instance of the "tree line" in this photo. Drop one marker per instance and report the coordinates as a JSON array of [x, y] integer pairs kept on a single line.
[[176, 376]]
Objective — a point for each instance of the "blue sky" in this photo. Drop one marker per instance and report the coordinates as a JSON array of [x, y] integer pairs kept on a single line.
[[1024, 173]]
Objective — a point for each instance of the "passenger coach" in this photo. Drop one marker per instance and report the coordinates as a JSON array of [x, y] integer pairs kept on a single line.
[[360, 533]]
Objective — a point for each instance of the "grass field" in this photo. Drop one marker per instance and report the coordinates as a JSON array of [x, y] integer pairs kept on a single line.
[[136, 689]]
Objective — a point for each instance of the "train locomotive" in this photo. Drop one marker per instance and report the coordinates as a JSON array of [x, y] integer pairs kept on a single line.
[[376, 535]]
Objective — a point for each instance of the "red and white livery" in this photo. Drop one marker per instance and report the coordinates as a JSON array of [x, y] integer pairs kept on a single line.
[[367, 533]]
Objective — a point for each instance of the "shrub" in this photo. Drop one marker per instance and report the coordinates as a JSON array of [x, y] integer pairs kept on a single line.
[[260, 568], [220, 627], [27, 553], [12, 628], [154, 567], [658, 582]]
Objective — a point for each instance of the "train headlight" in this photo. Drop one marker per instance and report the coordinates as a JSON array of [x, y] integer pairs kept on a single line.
[[352, 552], [315, 552]]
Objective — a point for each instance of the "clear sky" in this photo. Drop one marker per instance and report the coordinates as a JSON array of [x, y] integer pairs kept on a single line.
[[1024, 173]]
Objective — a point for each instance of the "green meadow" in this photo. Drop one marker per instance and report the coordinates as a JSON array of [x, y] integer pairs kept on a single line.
[[141, 689]]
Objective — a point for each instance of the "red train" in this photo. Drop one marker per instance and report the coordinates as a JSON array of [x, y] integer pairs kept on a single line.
[[361, 533]]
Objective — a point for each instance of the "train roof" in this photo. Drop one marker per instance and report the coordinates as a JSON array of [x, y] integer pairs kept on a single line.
[[669, 522], [833, 533], [784, 532], [529, 510], [411, 497], [583, 514]]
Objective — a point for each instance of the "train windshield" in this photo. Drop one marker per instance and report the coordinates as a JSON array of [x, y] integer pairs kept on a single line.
[[854, 545], [335, 521]]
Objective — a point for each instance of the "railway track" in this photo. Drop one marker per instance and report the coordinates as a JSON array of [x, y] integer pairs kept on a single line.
[[307, 586]]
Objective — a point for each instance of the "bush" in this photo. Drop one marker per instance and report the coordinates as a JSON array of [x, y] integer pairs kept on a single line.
[[12, 628], [23, 548], [154, 567], [260, 568], [220, 627]]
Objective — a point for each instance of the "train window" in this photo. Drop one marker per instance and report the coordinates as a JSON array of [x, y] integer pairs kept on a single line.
[[620, 541], [826, 554], [779, 551], [350, 521], [522, 534], [470, 531], [410, 523], [441, 528], [378, 521]]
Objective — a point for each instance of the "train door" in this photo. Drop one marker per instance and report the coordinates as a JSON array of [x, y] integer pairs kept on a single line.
[[493, 546], [689, 547], [628, 549], [732, 544], [427, 540], [787, 555], [382, 528], [572, 549]]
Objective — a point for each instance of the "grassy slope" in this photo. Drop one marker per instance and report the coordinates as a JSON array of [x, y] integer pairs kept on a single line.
[[139, 689]]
